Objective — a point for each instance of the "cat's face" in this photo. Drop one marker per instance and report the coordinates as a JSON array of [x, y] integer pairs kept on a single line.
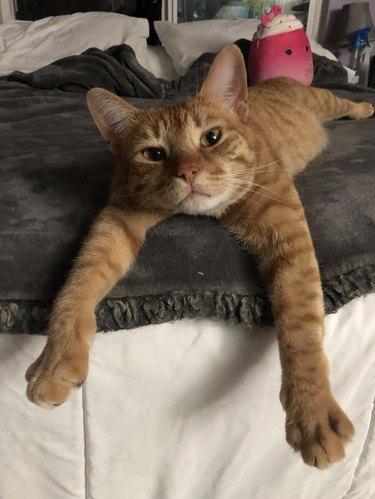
[[192, 158], [189, 158]]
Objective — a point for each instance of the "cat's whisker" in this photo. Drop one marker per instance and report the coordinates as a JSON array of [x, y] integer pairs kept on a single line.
[[260, 168], [248, 171], [238, 181], [246, 196], [262, 193], [163, 197], [245, 193], [275, 162], [240, 178], [246, 187], [269, 190], [244, 174], [143, 204], [250, 193], [120, 196]]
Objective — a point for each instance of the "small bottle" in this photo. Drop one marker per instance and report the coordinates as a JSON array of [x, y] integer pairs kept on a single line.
[[354, 56]]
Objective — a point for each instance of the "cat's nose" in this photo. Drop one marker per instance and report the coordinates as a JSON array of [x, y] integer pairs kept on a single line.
[[187, 171]]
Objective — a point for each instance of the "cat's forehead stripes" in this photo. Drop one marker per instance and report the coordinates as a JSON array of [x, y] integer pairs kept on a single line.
[[177, 126], [177, 118]]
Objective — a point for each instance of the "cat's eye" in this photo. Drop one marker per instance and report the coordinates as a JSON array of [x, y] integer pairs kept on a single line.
[[288, 52], [154, 153], [211, 137]]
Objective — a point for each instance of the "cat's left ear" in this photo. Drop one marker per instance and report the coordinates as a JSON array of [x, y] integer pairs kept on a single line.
[[110, 113], [227, 80]]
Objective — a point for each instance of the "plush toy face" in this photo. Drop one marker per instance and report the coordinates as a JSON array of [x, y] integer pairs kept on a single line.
[[284, 54]]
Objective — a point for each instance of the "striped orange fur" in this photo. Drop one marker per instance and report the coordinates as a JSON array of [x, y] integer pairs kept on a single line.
[[230, 152]]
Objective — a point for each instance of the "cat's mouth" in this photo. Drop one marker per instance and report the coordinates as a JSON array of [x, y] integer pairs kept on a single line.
[[197, 201], [194, 193]]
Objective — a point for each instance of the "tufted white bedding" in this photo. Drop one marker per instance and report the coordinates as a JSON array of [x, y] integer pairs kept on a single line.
[[184, 410]]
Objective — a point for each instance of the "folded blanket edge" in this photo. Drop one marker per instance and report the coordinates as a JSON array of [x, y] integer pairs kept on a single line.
[[113, 314]]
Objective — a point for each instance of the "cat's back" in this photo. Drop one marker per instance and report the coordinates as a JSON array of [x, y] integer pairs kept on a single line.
[[281, 110], [280, 97]]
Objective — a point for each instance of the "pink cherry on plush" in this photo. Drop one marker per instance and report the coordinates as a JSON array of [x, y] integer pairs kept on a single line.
[[284, 54]]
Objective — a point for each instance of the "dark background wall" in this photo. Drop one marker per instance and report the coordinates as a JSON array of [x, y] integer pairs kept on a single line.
[[37, 9]]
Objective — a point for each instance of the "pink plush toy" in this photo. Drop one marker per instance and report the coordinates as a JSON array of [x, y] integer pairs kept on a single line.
[[280, 47]]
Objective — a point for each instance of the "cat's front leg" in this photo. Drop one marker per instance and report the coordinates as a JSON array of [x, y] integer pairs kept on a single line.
[[111, 247], [63, 364], [276, 230]]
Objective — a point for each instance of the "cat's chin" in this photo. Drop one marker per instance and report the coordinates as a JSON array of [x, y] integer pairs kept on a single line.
[[202, 204]]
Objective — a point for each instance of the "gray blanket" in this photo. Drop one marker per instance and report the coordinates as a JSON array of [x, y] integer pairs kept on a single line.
[[55, 173]]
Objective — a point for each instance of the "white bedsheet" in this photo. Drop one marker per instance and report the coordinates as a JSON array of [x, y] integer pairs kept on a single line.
[[27, 46], [184, 410]]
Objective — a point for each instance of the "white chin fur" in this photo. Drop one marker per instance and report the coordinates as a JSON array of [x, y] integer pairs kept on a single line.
[[203, 205]]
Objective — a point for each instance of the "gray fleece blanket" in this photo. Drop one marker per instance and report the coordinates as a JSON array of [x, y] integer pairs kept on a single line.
[[55, 173]]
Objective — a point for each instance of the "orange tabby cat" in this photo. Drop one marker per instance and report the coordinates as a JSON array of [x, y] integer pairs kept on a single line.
[[229, 152]]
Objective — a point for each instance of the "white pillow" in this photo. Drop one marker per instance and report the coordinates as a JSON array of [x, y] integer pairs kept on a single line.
[[27, 46], [160, 63], [318, 49], [185, 42]]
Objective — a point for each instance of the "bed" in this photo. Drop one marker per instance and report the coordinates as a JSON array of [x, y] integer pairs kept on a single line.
[[178, 403]]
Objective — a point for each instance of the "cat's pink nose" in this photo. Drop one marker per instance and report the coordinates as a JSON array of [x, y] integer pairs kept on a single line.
[[187, 171]]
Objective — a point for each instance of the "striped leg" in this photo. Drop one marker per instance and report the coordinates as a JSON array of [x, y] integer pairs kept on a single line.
[[108, 252], [276, 230], [330, 107]]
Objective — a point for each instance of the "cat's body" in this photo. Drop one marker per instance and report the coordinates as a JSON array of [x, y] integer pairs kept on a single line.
[[231, 153]]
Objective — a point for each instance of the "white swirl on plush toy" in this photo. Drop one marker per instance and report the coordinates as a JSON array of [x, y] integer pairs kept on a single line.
[[279, 24]]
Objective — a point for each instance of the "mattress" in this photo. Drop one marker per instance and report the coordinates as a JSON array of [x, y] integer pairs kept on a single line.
[[184, 410]]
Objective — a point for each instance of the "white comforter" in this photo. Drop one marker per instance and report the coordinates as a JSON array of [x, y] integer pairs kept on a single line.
[[185, 410]]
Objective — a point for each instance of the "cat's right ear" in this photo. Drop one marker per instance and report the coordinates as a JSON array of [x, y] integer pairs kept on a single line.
[[227, 80], [110, 113]]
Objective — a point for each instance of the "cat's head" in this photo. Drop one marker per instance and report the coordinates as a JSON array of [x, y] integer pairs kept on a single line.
[[189, 158]]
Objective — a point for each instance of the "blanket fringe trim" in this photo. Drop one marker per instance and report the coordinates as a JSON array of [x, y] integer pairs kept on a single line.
[[25, 316]]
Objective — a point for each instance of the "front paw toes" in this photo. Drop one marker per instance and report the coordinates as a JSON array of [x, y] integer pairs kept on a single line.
[[47, 392], [323, 449], [320, 433], [52, 377]]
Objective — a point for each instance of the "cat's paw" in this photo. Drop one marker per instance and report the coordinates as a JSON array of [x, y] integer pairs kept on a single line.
[[362, 110], [318, 429], [56, 372]]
